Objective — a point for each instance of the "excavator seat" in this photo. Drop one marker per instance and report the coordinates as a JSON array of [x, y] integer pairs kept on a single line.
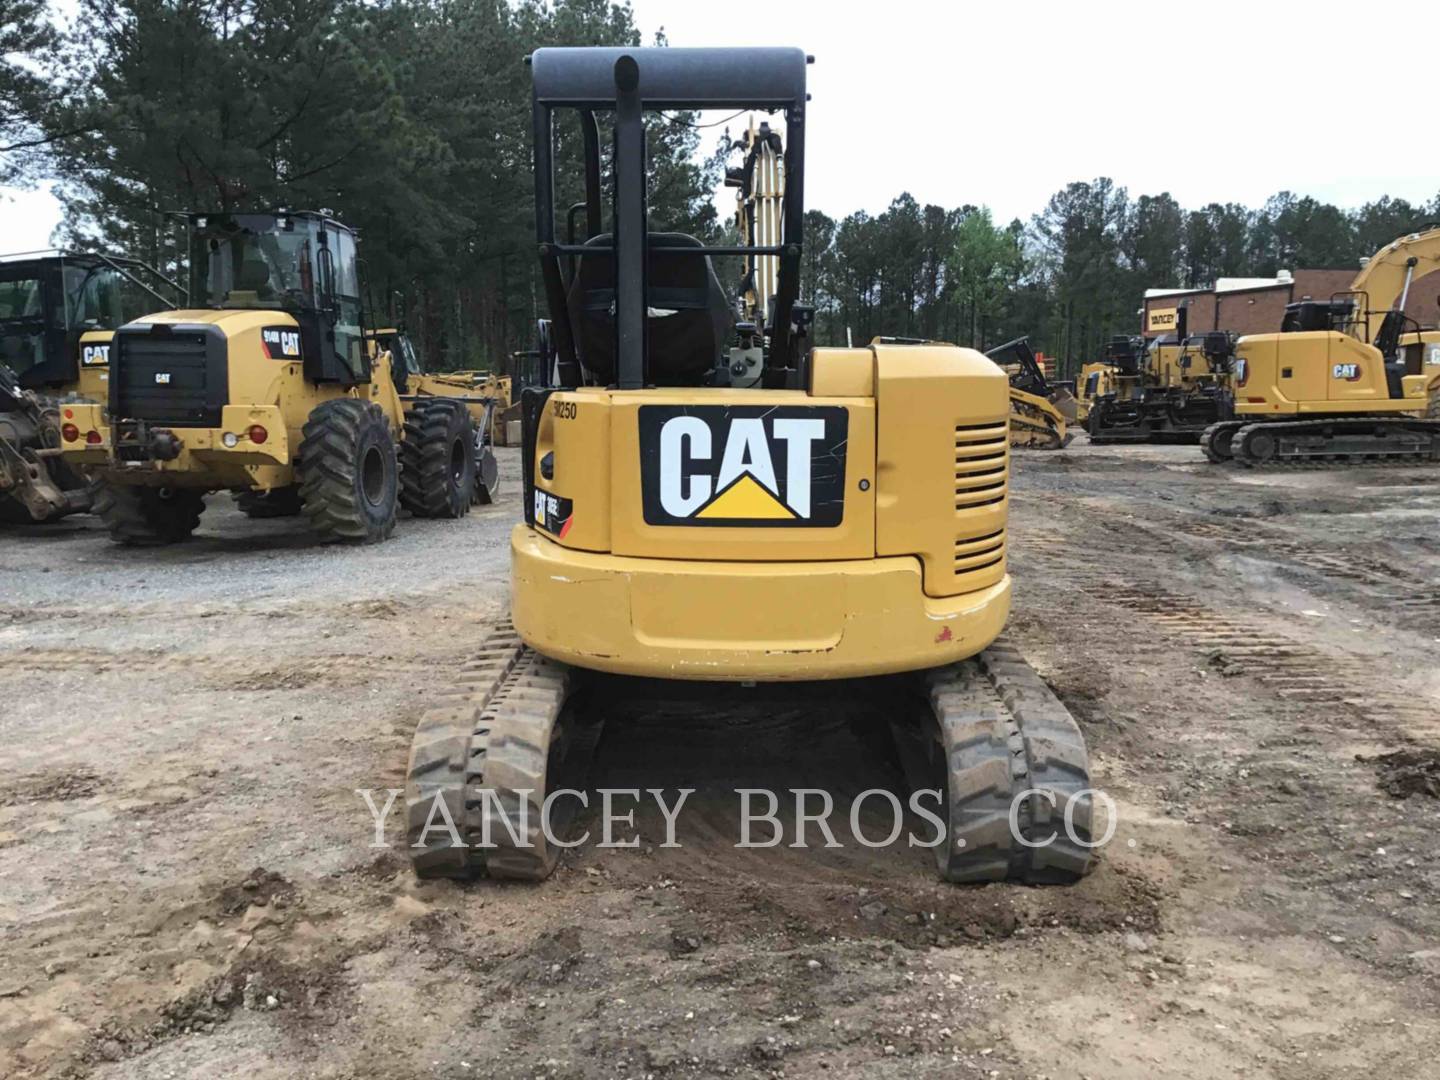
[[689, 319]]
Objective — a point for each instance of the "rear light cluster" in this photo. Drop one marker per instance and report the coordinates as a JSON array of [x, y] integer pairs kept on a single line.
[[70, 433], [255, 433]]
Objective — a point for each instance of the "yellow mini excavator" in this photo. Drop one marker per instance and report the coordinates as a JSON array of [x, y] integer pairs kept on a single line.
[[841, 513], [58, 312], [1040, 411], [1325, 389]]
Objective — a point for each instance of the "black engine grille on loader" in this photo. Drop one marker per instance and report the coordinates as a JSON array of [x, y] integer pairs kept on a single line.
[[164, 374]]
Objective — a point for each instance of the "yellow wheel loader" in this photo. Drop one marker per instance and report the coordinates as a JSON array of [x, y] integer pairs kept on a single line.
[[484, 394], [1325, 390], [267, 387], [839, 514], [57, 313], [1040, 411]]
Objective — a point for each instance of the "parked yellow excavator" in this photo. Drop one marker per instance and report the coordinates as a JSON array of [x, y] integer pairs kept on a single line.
[[1328, 390], [711, 501]]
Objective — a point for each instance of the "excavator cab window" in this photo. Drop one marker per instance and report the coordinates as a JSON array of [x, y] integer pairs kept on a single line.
[[1310, 315]]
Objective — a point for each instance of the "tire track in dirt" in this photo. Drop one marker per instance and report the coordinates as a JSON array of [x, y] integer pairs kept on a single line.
[[1296, 672]]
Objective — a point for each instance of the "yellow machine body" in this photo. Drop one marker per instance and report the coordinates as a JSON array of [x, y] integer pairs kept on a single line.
[[448, 384], [880, 549], [1095, 380], [1040, 422], [94, 381], [270, 392], [1318, 372], [1341, 371], [1185, 365]]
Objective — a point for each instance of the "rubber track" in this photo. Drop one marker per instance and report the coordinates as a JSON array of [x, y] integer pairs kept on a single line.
[[484, 752], [1004, 732], [1033, 424]]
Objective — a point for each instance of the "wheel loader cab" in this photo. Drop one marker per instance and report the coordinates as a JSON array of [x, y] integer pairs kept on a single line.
[[58, 312], [266, 386], [843, 514], [301, 264]]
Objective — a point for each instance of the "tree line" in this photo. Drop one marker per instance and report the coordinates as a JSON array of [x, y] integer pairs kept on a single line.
[[410, 120], [1073, 275]]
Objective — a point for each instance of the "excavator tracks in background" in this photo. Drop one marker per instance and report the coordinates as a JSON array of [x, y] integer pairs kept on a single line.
[[1364, 440]]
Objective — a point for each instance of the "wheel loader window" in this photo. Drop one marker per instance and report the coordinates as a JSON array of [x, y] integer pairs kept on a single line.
[[95, 297], [349, 337], [252, 262], [22, 324]]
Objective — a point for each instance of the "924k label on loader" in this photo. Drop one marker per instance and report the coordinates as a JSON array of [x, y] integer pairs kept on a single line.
[[743, 465]]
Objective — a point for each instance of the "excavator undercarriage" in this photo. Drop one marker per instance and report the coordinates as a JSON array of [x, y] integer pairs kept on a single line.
[[1003, 755]]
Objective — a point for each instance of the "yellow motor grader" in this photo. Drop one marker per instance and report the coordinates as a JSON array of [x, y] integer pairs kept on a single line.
[[820, 514], [266, 386]]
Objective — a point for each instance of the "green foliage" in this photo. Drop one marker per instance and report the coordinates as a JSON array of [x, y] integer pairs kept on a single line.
[[408, 119], [1076, 275], [28, 44], [411, 120]]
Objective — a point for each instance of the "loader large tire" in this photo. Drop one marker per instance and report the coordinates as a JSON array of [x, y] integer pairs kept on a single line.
[[280, 502], [148, 516], [348, 470], [437, 458]]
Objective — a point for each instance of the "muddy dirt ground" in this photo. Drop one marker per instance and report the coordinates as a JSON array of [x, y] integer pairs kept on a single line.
[[189, 886]]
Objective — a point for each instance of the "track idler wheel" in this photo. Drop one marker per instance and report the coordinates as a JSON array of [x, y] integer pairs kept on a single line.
[[1217, 442], [1255, 445]]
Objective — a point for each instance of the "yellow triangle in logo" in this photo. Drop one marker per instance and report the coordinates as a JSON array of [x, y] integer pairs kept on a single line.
[[746, 498]]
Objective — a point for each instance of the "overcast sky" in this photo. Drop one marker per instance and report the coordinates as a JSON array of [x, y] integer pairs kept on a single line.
[[1003, 103]]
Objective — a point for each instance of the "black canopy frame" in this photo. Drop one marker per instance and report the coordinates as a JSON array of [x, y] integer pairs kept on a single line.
[[629, 83]]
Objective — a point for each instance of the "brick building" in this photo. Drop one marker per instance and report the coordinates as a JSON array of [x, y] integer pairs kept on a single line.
[[1257, 305]]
